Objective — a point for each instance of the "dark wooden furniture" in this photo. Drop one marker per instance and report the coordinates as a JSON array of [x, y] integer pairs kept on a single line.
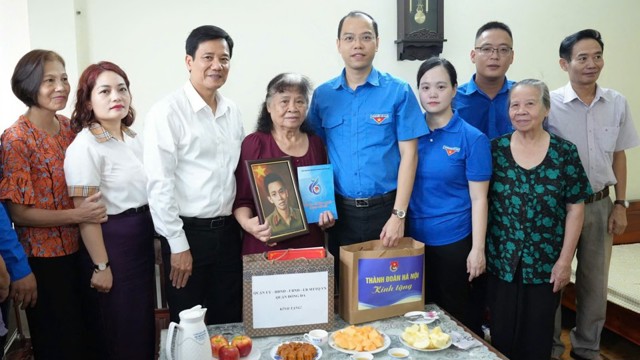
[[632, 233]]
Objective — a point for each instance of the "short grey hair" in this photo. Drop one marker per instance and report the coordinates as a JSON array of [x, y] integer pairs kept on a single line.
[[288, 81], [279, 84], [545, 98]]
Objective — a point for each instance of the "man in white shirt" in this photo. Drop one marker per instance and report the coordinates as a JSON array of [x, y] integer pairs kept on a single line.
[[598, 121], [192, 147]]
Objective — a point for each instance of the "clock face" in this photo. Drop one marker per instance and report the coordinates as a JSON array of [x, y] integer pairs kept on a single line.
[[420, 17], [421, 14]]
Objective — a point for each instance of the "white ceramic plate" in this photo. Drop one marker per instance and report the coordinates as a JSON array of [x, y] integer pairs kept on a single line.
[[385, 345], [426, 350], [426, 317], [275, 356]]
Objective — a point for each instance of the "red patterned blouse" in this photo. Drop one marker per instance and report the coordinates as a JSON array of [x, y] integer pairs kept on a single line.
[[32, 170]]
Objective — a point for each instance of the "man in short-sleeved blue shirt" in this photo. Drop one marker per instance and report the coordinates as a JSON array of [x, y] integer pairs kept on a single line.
[[370, 122], [359, 126], [482, 102]]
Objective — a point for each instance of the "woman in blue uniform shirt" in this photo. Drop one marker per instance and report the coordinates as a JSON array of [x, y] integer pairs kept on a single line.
[[448, 207]]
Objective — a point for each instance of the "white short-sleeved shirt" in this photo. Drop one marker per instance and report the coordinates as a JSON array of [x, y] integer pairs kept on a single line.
[[598, 130], [96, 161]]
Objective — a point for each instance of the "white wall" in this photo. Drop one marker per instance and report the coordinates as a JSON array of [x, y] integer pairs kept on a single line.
[[146, 38], [34, 24], [14, 42]]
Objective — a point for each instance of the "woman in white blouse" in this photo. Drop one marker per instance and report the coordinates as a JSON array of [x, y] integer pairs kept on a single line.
[[106, 156]]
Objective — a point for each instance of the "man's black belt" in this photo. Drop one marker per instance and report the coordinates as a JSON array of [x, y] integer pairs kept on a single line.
[[598, 196], [211, 223], [366, 202]]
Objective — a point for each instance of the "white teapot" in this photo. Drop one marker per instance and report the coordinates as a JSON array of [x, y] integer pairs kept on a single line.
[[191, 336]]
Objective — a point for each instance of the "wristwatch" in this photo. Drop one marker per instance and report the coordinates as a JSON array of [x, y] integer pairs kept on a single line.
[[100, 266], [401, 214], [624, 203]]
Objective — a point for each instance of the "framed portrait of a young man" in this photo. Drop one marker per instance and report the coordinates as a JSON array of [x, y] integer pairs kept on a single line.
[[277, 198]]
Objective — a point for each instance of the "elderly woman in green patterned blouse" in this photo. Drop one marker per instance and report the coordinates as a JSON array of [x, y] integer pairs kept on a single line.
[[536, 211]]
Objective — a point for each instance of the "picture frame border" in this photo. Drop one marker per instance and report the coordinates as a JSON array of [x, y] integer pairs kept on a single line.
[[259, 201]]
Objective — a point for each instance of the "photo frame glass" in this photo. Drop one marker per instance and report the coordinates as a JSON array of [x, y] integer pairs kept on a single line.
[[277, 197]]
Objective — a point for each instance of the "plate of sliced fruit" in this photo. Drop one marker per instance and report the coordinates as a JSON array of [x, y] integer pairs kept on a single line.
[[353, 339], [420, 337]]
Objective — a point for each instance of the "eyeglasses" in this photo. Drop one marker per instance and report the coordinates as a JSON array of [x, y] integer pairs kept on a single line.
[[488, 50], [364, 38]]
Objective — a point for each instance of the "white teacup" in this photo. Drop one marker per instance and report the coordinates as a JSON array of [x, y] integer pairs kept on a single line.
[[362, 356], [398, 353], [317, 337]]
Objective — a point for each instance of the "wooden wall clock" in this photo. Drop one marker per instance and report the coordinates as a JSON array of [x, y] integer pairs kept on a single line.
[[420, 29]]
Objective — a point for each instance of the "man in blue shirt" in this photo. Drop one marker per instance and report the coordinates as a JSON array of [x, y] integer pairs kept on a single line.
[[370, 122], [483, 101]]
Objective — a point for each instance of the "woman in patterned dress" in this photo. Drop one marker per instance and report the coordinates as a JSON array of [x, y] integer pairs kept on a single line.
[[34, 189], [536, 210]]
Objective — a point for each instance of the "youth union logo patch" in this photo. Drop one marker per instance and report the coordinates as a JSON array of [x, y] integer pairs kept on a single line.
[[314, 187], [393, 266], [451, 150], [379, 118]]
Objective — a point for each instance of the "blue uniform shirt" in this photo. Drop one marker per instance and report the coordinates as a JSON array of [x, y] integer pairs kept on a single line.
[[11, 250], [361, 129], [448, 158], [491, 116]]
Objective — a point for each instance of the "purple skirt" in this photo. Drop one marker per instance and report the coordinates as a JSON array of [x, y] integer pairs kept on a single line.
[[123, 319]]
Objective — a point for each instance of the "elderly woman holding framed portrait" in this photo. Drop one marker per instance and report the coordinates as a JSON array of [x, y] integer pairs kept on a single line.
[[281, 132]]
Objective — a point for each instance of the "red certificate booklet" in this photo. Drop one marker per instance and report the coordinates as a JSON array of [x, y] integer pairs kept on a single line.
[[293, 254]]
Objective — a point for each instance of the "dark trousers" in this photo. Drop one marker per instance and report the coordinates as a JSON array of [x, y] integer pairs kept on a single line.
[[355, 225], [123, 319], [216, 279], [478, 306], [4, 308], [56, 325], [447, 281], [522, 317]]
